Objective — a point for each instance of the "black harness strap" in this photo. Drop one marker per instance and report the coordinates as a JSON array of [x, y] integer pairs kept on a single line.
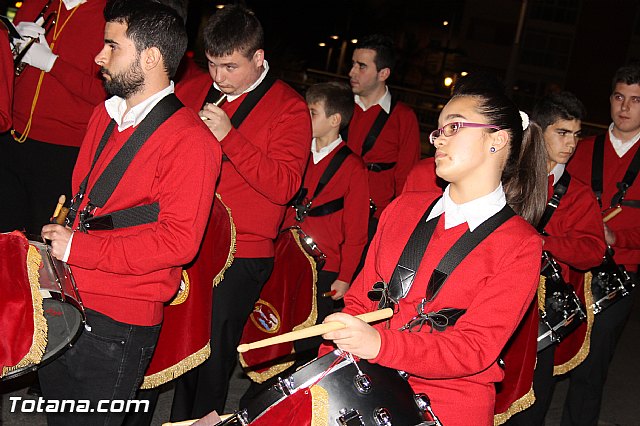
[[597, 166], [380, 167], [559, 189], [304, 209], [248, 103], [374, 132], [113, 173]]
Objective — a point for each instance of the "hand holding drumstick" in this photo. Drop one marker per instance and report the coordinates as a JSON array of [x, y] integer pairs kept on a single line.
[[609, 235]]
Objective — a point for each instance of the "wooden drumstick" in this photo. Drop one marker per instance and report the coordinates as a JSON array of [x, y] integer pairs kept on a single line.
[[315, 330], [190, 422], [62, 216], [217, 103], [613, 213], [61, 201]]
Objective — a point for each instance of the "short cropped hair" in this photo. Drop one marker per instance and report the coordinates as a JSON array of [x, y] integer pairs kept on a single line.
[[337, 99], [234, 28], [628, 74], [151, 24], [557, 106], [383, 46]]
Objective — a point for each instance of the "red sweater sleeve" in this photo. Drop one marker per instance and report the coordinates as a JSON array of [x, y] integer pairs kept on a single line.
[[184, 194], [356, 209], [6, 82], [276, 172]]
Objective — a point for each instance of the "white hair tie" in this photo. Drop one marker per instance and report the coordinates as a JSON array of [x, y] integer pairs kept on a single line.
[[525, 120]]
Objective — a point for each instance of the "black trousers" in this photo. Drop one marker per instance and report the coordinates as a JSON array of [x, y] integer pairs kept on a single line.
[[582, 406], [204, 389], [306, 349], [105, 366], [33, 175]]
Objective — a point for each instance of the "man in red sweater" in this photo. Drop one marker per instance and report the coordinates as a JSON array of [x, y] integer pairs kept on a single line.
[[620, 146], [391, 152], [574, 236], [53, 100], [265, 131], [6, 81], [125, 274]]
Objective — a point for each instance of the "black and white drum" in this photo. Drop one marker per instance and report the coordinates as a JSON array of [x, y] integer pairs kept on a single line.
[[563, 311], [610, 282], [63, 309], [360, 393]]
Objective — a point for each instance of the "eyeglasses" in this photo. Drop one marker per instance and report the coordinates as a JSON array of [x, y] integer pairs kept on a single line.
[[453, 128]]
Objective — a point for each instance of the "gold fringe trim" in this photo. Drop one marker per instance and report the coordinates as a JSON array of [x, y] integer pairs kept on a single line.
[[182, 295], [319, 406], [311, 320], [517, 406], [542, 292], [586, 344], [232, 247], [168, 374], [40, 328]]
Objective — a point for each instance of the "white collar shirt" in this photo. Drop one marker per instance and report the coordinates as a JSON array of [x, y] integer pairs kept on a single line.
[[116, 107], [474, 212], [319, 154], [384, 101], [622, 147], [557, 172], [231, 98]]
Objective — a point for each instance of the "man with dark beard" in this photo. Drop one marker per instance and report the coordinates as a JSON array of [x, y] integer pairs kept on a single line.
[[128, 265]]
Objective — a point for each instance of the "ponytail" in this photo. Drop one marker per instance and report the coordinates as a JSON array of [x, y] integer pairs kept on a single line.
[[524, 177]]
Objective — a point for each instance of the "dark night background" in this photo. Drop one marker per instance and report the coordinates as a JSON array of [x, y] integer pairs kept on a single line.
[[573, 45]]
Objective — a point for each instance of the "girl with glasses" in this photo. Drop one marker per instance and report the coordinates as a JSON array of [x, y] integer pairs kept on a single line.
[[449, 329]]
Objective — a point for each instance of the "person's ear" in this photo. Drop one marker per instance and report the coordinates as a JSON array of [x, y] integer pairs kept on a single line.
[[384, 74], [335, 120], [151, 58], [258, 58], [499, 141]]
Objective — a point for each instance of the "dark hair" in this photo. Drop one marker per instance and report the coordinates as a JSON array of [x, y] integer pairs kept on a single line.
[[151, 24], [234, 28], [383, 46], [337, 99], [524, 176], [628, 74], [557, 106]]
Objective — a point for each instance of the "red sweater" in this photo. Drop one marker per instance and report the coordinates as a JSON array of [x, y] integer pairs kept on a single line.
[[495, 283], [625, 225], [576, 234], [341, 235], [73, 87], [6, 82], [398, 142], [128, 273], [267, 156]]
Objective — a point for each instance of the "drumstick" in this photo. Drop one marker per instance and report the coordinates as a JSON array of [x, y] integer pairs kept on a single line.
[[613, 213], [315, 330], [217, 103], [61, 201], [62, 216], [190, 422], [329, 293]]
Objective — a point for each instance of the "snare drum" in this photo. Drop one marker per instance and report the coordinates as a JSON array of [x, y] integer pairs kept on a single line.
[[63, 309], [610, 282], [359, 393]]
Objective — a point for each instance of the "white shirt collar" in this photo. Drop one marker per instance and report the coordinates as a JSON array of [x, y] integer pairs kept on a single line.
[[231, 98], [323, 152], [474, 212], [70, 4], [116, 106], [384, 101], [622, 147], [557, 172]]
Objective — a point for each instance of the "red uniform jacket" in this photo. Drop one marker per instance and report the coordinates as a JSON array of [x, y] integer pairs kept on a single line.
[[72, 89], [129, 273], [625, 225], [423, 177], [495, 283], [267, 155], [341, 235], [6, 81], [398, 142]]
